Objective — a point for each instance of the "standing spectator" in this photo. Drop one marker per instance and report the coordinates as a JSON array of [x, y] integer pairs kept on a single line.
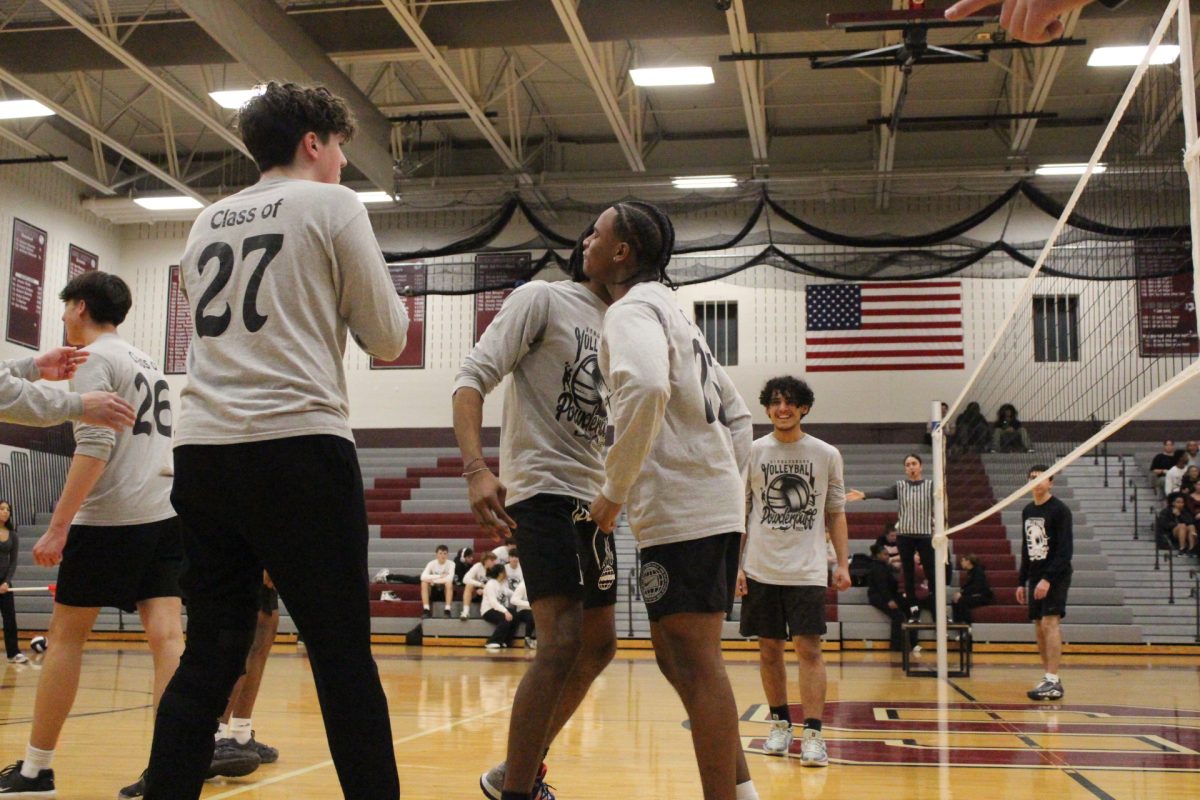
[[10, 547], [464, 559], [884, 593], [474, 581], [495, 609], [523, 615], [973, 590], [1162, 462], [1173, 480], [1045, 577], [437, 580], [1176, 526], [914, 495], [1009, 435], [972, 433]]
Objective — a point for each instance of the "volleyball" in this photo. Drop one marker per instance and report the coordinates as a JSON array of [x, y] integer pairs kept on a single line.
[[38, 644]]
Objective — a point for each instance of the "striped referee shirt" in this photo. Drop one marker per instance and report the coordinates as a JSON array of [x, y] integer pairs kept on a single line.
[[916, 505]]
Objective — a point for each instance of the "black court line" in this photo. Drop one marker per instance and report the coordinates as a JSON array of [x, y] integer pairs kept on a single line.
[[1096, 791], [1027, 741], [27, 720], [1153, 743], [961, 691]]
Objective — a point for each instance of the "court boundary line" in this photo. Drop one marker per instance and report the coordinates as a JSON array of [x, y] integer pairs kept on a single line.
[[249, 787]]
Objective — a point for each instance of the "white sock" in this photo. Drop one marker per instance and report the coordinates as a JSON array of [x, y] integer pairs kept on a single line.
[[746, 791], [1050, 676], [239, 729], [222, 731], [35, 761]]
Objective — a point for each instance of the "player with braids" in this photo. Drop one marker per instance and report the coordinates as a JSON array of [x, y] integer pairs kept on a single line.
[[678, 462]]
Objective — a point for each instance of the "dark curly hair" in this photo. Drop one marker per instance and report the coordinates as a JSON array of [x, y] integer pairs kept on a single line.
[[794, 390], [650, 234], [105, 295], [273, 123]]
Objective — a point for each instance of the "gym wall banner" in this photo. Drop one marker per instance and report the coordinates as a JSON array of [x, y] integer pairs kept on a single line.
[[179, 326], [409, 279], [1166, 304], [492, 269], [26, 279]]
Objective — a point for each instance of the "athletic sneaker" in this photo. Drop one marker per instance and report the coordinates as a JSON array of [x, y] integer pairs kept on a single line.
[[19, 658], [914, 613], [381, 576], [233, 760], [779, 740], [1046, 690], [492, 783], [266, 753], [812, 749], [388, 596], [14, 784], [136, 789], [492, 646], [466, 614], [446, 609]]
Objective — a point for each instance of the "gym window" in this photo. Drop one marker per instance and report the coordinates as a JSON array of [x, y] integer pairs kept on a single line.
[[1056, 327], [718, 320]]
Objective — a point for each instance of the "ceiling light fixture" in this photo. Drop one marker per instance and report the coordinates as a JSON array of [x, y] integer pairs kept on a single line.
[[672, 76], [705, 182], [1132, 55], [177, 202], [1067, 169], [233, 99], [368, 198], [20, 109]]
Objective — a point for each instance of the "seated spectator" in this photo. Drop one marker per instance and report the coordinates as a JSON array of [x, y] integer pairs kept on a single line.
[[884, 593], [1193, 451], [513, 568], [523, 614], [931, 425], [437, 580], [889, 541], [474, 581], [1191, 477], [972, 433], [464, 559], [494, 608], [973, 589], [1173, 479], [1174, 526], [1191, 497], [1161, 463], [1009, 435], [502, 551]]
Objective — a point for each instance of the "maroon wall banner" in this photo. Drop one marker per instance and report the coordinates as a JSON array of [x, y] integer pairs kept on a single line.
[[492, 269], [179, 326], [26, 279], [409, 277], [1166, 300]]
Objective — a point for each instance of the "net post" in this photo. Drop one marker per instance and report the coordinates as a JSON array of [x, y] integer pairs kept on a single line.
[[940, 542]]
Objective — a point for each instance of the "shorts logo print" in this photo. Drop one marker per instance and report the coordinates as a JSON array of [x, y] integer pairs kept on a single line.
[[606, 562], [654, 581]]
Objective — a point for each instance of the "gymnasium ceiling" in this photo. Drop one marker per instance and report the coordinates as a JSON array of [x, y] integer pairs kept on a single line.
[[466, 99]]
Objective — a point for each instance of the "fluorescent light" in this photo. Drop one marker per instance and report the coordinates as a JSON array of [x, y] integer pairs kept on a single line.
[[672, 76], [176, 202], [1067, 169], [1132, 55], [705, 182], [19, 109], [374, 197], [234, 98]]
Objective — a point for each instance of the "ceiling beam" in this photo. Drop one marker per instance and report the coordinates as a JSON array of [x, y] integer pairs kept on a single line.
[[78, 175], [169, 90], [1049, 62], [273, 46], [750, 80], [568, 15], [93, 131]]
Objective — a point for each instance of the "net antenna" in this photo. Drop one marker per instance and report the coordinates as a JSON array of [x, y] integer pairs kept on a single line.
[[1079, 354]]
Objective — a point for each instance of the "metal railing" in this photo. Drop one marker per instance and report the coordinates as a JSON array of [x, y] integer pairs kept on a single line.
[[1195, 594]]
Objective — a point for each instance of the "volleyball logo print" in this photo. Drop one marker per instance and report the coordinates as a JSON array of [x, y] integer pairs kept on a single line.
[[1036, 539], [654, 581], [789, 499], [582, 399], [606, 559]]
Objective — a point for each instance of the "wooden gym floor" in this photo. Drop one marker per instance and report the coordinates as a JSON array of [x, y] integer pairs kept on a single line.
[[1130, 728]]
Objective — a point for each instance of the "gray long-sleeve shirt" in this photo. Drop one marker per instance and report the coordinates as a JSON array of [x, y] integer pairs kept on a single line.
[[547, 336], [683, 433], [26, 403], [275, 276]]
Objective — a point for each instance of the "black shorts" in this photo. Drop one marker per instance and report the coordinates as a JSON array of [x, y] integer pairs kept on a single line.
[[692, 577], [437, 591], [770, 611], [562, 551], [120, 565], [268, 600], [1054, 604]]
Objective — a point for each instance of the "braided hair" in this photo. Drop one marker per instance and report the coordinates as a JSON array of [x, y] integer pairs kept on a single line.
[[650, 234]]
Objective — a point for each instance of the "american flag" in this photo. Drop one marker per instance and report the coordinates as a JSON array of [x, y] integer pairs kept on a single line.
[[855, 327]]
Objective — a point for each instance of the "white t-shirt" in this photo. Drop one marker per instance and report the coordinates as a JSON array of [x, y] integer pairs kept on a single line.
[[438, 573], [792, 486], [476, 576]]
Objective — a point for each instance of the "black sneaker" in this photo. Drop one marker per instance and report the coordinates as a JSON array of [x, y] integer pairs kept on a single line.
[[14, 784], [427, 614], [914, 614], [1046, 690], [266, 753], [136, 789], [233, 760]]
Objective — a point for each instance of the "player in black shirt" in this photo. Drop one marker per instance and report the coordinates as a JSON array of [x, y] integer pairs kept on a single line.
[[1045, 578]]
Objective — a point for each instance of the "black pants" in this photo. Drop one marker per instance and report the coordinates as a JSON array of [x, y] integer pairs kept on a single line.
[[525, 617], [503, 632], [9, 612], [294, 507], [961, 611], [897, 617], [909, 545]]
